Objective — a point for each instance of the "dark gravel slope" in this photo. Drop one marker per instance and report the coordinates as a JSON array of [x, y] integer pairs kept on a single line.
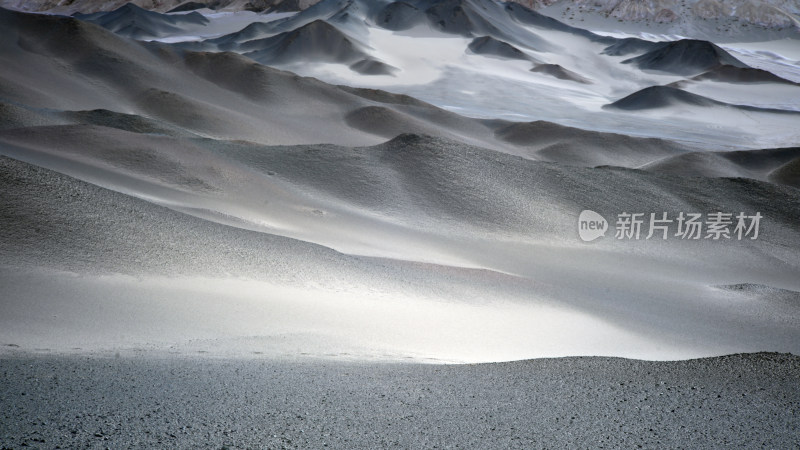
[[83, 402]]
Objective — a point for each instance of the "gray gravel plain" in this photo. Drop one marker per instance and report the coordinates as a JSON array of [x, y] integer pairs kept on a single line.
[[750, 400]]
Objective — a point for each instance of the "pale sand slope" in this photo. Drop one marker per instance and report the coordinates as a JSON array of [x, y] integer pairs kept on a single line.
[[744, 401], [188, 284]]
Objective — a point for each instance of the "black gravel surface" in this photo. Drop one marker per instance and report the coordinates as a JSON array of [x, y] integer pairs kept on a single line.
[[750, 400]]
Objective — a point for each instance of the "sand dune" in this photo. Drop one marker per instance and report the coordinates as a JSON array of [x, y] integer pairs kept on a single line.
[[241, 209], [252, 31], [423, 194], [438, 71], [354, 219], [15, 116], [685, 57], [627, 46], [189, 6], [456, 17], [732, 74], [487, 45], [788, 173], [661, 97], [386, 122], [134, 22], [317, 41], [135, 81], [656, 97], [561, 73], [128, 122], [397, 16], [190, 92], [757, 164], [372, 67], [579, 147]]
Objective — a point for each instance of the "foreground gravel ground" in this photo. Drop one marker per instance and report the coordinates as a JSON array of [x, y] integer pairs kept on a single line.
[[95, 402]]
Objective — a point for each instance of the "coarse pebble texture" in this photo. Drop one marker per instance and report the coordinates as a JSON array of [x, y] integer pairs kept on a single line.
[[748, 400]]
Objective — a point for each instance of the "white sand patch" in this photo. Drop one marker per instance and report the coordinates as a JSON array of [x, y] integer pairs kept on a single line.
[[234, 317], [780, 57]]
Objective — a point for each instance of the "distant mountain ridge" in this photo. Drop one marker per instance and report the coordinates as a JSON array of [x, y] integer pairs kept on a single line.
[[93, 6], [765, 13], [132, 21]]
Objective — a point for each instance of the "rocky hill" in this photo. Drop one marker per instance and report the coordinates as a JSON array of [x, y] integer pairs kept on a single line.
[[765, 13]]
